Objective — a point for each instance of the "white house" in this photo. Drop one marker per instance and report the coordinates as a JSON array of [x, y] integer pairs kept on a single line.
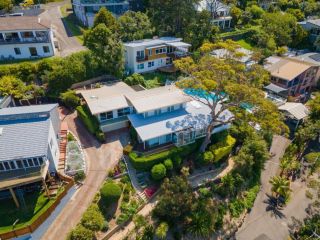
[[25, 37], [163, 115], [85, 10], [150, 54], [220, 12]]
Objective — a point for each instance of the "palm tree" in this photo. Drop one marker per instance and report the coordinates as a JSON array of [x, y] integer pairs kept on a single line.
[[280, 186], [162, 230]]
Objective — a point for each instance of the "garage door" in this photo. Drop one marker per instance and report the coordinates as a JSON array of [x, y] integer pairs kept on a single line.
[[115, 126]]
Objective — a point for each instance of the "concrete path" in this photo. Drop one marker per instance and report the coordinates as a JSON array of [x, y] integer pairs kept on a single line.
[[264, 221], [68, 44], [100, 159]]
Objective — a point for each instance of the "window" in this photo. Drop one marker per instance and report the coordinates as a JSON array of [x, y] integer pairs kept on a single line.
[[1, 167], [35, 161], [161, 50], [6, 165], [30, 162], [25, 163], [141, 66], [46, 49], [19, 164], [17, 51], [150, 64], [106, 116], [123, 112], [140, 54], [150, 52], [33, 51], [41, 159], [12, 165]]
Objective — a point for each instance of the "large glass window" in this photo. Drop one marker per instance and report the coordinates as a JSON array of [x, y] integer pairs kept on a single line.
[[19, 164], [141, 66], [6, 165], [123, 112], [46, 49], [12, 165], [17, 51], [1, 167], [106, 116], [25, 163], [33, 51], [30, 162]]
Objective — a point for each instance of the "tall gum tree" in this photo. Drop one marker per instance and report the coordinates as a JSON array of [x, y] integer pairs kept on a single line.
[[233, 85]]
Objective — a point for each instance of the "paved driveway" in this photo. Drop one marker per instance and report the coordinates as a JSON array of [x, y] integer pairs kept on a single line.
[[262, 222], [68, 44], [100, 159]]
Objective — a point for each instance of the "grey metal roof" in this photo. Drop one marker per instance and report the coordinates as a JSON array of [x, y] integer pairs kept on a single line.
[[274, 88], [24, 131], [23, 139]]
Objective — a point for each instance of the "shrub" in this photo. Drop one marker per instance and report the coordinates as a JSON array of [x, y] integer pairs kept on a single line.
[[70, 137], [207, 157], [158, 171], [162, 230], [110, 192], [177, 161], [222, 148], [127, 149], [93, 219], [70, 99], [135, 79], [81, 233], [168, 164], [79, 176]]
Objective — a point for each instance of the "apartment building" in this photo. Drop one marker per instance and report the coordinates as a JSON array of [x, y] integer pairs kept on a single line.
[[164, 115], [220, 12], [150, 54], [85, 10], [25, 37], [294, 75]]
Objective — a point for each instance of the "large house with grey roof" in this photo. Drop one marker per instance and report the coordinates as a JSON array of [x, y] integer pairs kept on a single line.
[[29, 143], [163, 115], [25, 37]]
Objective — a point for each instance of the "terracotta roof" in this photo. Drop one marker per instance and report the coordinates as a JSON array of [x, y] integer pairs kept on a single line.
[[23, 23], [286, 68]]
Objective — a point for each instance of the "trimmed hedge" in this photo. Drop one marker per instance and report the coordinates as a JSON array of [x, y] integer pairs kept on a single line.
[[93, 219], [222, 149], [81, 233], [147, 162], [110, 192], [90, 122], [158, 171]]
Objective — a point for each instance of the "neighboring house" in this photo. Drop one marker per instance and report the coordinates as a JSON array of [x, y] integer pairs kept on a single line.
[[29, 145], [164, 115], [25, 37], [85, 10], [150, 54], [266, 4], [220, 12], [296, 76], [276, 94], [313, 27], [296, 112], [6, 101], [245, 58]]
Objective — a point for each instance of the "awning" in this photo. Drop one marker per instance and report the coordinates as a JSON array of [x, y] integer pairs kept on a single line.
[[296, 110], [274, 88]]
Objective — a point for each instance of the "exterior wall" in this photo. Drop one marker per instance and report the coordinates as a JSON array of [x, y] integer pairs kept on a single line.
[[53, 150], [115, 126], [8, 50], [114, 123]]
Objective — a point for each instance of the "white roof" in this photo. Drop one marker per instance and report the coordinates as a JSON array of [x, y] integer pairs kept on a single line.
[[195, 115], [156, 98], [297, 110], [179, 44], [152, 42], [107, 98]]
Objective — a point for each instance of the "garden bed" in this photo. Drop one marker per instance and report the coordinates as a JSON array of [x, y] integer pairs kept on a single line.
[[75, 161]]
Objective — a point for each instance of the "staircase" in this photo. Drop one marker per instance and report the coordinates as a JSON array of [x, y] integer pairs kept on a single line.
[[63, 148]]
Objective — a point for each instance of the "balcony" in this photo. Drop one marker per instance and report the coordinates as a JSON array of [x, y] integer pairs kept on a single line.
[[178, 54], [141, 58], [24, 40], [106, 2]]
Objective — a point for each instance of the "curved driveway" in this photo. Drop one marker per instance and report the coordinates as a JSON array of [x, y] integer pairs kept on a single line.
[[100, 159]]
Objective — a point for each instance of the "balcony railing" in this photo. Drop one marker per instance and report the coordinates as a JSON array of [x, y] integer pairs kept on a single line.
[[142, 58], [25, 40]]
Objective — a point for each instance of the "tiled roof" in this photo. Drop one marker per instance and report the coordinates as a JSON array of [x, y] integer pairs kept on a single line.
[[23, 23]]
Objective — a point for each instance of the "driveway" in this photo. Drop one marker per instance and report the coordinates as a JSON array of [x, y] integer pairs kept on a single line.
[[68, 44], [264, 222], [100, 158]]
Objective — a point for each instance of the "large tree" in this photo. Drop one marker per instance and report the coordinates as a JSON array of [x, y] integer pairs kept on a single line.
[[280, 186], [104, 16], [134, 26], [10, 85], [225, 84], [314, 105], [172, 17], [106, 48], [6, 5]]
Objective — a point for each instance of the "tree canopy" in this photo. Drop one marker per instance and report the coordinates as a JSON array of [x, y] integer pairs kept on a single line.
[[104, 16]]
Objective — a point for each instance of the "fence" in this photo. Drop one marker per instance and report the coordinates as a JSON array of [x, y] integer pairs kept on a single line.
[[34, 225]]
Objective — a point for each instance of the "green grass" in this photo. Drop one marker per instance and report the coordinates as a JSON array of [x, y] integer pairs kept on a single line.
[[156, 79], [36, 204], [72, 22], [245, 44]]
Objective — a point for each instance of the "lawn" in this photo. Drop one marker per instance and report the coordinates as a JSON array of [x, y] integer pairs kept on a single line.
[[36, 204], [71, 22], [245, 44], [157, 79]]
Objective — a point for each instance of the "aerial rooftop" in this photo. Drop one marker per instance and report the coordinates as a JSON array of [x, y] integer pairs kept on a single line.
[[157, 41], [23, 23]]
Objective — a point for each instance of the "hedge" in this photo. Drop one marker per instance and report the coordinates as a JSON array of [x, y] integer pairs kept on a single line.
[[222, 149], [90, 122], [81, 233], [147, 162]]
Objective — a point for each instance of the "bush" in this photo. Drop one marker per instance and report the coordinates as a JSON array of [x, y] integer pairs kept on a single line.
[[70, 137], [110, 192], [81, 233], [168, 164], [135, 79], [158, 171], [70, 99], [147, 162], [177, 161], [79, 176], [93, 219], [207, 157], [90, 121], [223, 148]]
